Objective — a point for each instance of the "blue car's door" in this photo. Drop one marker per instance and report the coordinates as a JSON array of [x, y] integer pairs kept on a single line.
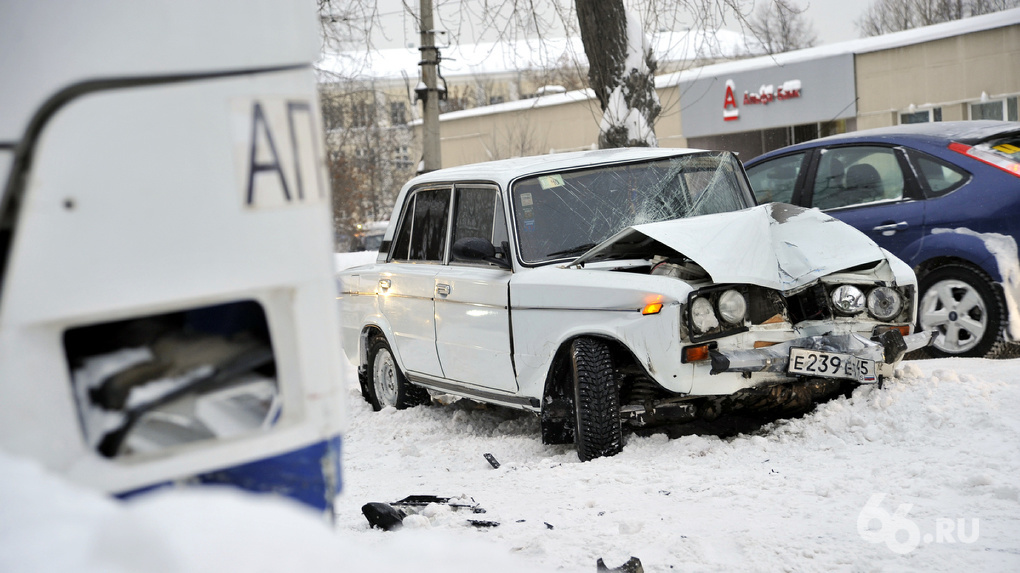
[[868, 187]]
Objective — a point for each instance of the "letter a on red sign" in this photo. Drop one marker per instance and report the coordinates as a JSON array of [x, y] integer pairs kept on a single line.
[[730, 111], [730, 100]]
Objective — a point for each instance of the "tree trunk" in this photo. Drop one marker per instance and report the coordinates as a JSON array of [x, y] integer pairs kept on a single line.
[[621, 72]]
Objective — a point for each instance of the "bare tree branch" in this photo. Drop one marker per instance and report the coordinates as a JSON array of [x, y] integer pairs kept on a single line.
[[885, 16], [780, 27]]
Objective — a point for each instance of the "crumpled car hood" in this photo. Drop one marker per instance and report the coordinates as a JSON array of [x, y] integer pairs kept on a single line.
[[776, 245]]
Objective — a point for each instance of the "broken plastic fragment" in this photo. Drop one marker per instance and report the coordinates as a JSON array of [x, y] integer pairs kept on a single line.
[[492, 461], [383, 515], [633, 565]]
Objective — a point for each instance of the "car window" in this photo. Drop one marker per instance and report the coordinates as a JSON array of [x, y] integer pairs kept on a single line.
[[422, 232], [561, 215], [939, 175], [774, 180], [479, 213], [856, 175]]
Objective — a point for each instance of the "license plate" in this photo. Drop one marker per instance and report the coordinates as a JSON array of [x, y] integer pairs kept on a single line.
[[831, 365]]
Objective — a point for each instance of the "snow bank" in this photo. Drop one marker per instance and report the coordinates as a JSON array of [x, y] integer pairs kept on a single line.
[[48, 525], [942, 438]]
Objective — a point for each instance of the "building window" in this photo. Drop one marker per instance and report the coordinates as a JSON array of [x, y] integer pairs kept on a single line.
[[921, 116], [402, 157], [398, 113], [362, 114], [1003, 109]]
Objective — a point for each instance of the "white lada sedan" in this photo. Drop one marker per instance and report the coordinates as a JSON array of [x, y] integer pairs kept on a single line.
[[618, 287]]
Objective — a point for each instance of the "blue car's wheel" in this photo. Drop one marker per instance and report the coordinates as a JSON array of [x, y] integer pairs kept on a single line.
[[963, 306]]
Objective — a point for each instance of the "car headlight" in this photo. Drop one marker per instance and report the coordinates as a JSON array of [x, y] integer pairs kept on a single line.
[[732, 307], [702, 315], [884, 303], [848, 299]]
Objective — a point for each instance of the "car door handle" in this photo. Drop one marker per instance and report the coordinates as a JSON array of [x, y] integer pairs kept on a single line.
[[889, 229], [385, 284], [443, 289]]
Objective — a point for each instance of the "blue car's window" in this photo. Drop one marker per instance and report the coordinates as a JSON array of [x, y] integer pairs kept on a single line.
[[856, 175], [940, 176], [774, 180]]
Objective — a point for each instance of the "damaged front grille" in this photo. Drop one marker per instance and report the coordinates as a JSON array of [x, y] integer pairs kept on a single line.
[[725, 310], [809, 304]]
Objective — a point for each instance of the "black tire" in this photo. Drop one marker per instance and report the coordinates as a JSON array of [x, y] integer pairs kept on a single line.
[[966, 309], [597, 400], [386, 384]]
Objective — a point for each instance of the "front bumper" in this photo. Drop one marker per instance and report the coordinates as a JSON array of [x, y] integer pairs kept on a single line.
[[888, 348]]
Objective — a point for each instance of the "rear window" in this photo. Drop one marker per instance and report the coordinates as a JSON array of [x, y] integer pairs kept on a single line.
[[939, 176]]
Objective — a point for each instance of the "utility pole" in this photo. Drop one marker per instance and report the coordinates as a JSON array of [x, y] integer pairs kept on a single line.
[[429, 93]]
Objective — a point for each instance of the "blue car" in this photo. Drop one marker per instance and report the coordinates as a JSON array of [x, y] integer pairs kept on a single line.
[[944, 197]]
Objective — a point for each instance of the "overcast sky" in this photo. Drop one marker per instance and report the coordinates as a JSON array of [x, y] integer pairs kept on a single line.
[[833, 20]]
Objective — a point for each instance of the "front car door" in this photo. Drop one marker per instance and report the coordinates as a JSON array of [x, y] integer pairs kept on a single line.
[[472, 297]]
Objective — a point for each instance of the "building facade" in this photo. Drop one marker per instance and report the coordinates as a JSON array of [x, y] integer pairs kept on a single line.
[[961, 70]]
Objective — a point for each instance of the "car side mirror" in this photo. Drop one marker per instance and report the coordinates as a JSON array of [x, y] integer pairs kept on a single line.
[[477, 249]]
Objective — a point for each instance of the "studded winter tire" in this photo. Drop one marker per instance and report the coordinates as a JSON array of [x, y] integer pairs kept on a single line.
[[597, 400]]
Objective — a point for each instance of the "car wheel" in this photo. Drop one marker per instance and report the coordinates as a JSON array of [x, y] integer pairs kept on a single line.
[[597, 400], [387, 385], [963, 306]]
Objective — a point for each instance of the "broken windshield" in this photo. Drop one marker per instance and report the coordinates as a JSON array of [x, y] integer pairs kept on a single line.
[[562, 215]]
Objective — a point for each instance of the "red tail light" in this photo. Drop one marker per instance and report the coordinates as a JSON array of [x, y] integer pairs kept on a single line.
[[987, 156]]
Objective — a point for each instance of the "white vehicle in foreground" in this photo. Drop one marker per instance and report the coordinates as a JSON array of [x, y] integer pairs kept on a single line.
[[166, 292], [619, 286]]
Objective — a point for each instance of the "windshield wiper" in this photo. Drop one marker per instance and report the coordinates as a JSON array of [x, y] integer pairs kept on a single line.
[[573, 250]]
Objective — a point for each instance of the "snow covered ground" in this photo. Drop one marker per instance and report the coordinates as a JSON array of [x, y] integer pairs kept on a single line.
[[921, 475]]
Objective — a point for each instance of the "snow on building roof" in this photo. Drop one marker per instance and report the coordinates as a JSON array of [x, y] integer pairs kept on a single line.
[[493, 58], [859, 46]]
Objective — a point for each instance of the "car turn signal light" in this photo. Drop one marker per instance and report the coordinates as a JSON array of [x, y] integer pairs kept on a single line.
[[903, 328], [652, 308], [695, 354]]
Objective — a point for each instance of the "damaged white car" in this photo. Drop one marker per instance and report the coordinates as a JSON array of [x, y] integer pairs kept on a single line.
[[620, 287]]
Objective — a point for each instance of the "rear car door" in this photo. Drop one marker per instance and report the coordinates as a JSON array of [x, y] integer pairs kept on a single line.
[[408, 283], [872, 188], [472, 297]]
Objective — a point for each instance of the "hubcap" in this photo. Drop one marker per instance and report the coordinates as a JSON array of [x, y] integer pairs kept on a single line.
[[384, 378], [957, 312]]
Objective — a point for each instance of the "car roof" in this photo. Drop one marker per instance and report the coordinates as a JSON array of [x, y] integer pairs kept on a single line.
[[505, 170], [934, 133]]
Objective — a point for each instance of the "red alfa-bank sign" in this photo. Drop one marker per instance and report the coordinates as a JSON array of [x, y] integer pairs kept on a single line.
[[770, 94], [765, 95]]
